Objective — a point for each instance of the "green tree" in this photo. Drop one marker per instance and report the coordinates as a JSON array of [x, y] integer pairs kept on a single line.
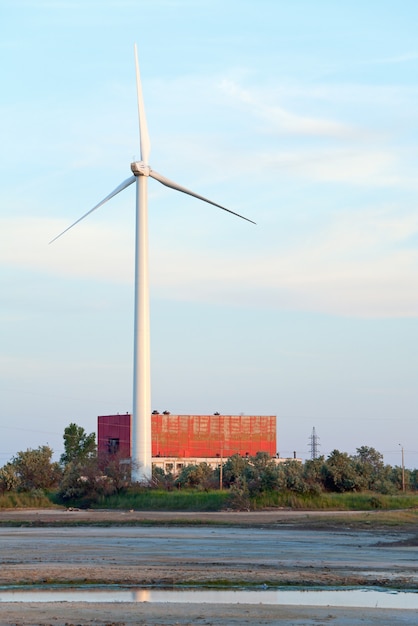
[[313, 474], [162, 479], [78, 445], [396, 474], [373, 473], [9, 479], [84, 483], [340, 473], [236, 467], [119, 470], [239, 496], [199, 476], [263, 473], [413, 480], [294, 479], [35, 469]]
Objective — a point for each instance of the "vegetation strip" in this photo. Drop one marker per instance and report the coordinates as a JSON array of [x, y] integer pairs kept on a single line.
[[83, 479]]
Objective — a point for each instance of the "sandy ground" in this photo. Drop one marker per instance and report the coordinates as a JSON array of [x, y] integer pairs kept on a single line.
[[202, 615], [271, 548]]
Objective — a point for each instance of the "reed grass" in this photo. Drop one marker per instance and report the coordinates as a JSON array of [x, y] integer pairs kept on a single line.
[[334, 501], [156, 500], [23, 500], [197, 500]]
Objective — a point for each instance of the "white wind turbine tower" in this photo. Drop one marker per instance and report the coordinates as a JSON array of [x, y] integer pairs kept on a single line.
[[141, 414]]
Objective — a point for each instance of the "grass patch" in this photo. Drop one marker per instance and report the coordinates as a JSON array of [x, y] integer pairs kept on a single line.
[[195, 500], [155, 500], [190, 500], [334, 501], [32, 500]]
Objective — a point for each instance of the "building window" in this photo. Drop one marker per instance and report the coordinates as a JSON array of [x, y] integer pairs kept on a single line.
[[113, 445]]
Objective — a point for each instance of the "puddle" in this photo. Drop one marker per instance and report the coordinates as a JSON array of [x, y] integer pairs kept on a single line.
[[361, 598]]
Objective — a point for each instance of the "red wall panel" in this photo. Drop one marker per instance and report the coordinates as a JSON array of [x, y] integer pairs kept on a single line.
[[114, 427], [195, 435]]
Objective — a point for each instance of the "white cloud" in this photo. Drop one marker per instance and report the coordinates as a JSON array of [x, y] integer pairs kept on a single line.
[[99, 251], [282, 120], [358, 267], [362, 264], [400, 58], [371, 168]]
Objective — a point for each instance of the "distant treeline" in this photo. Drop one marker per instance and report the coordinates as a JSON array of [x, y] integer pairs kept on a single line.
[[81, 476]]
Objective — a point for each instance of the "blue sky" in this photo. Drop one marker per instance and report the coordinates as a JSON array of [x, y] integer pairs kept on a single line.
[[300, 115]]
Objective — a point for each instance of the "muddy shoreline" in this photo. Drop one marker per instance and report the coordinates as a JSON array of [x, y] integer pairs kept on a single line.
[[110, 566], [140, 549]]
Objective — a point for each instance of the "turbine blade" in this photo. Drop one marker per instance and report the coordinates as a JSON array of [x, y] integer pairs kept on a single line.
[[144, 141], [169, 183], [121, 187]]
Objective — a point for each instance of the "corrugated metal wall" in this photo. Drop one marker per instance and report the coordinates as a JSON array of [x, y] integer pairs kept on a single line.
[[196, 435], [213, 435], [114, 427]]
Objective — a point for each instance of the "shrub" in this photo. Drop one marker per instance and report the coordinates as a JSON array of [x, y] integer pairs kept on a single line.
[[9, 479], [239, 496]]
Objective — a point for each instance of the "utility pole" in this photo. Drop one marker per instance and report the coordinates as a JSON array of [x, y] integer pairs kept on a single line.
[[403, 469], [314, 444], [221, 473]]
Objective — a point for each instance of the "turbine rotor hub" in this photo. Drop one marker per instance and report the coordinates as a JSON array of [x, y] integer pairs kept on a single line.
[[140, 169]]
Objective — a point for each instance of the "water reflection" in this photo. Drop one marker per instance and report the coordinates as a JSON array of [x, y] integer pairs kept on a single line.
[[141, 595], [361, 598]]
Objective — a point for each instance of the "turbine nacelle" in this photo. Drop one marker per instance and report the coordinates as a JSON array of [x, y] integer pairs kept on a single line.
[[140, 169]]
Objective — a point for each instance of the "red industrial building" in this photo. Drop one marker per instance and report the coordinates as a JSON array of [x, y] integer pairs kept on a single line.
[[191, 438]]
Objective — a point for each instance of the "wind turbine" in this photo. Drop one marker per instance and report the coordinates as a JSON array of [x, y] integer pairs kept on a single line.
[[141, 171]]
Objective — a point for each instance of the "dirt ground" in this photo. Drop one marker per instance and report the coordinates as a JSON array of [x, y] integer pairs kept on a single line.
[[137, 549], [83, 614]]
